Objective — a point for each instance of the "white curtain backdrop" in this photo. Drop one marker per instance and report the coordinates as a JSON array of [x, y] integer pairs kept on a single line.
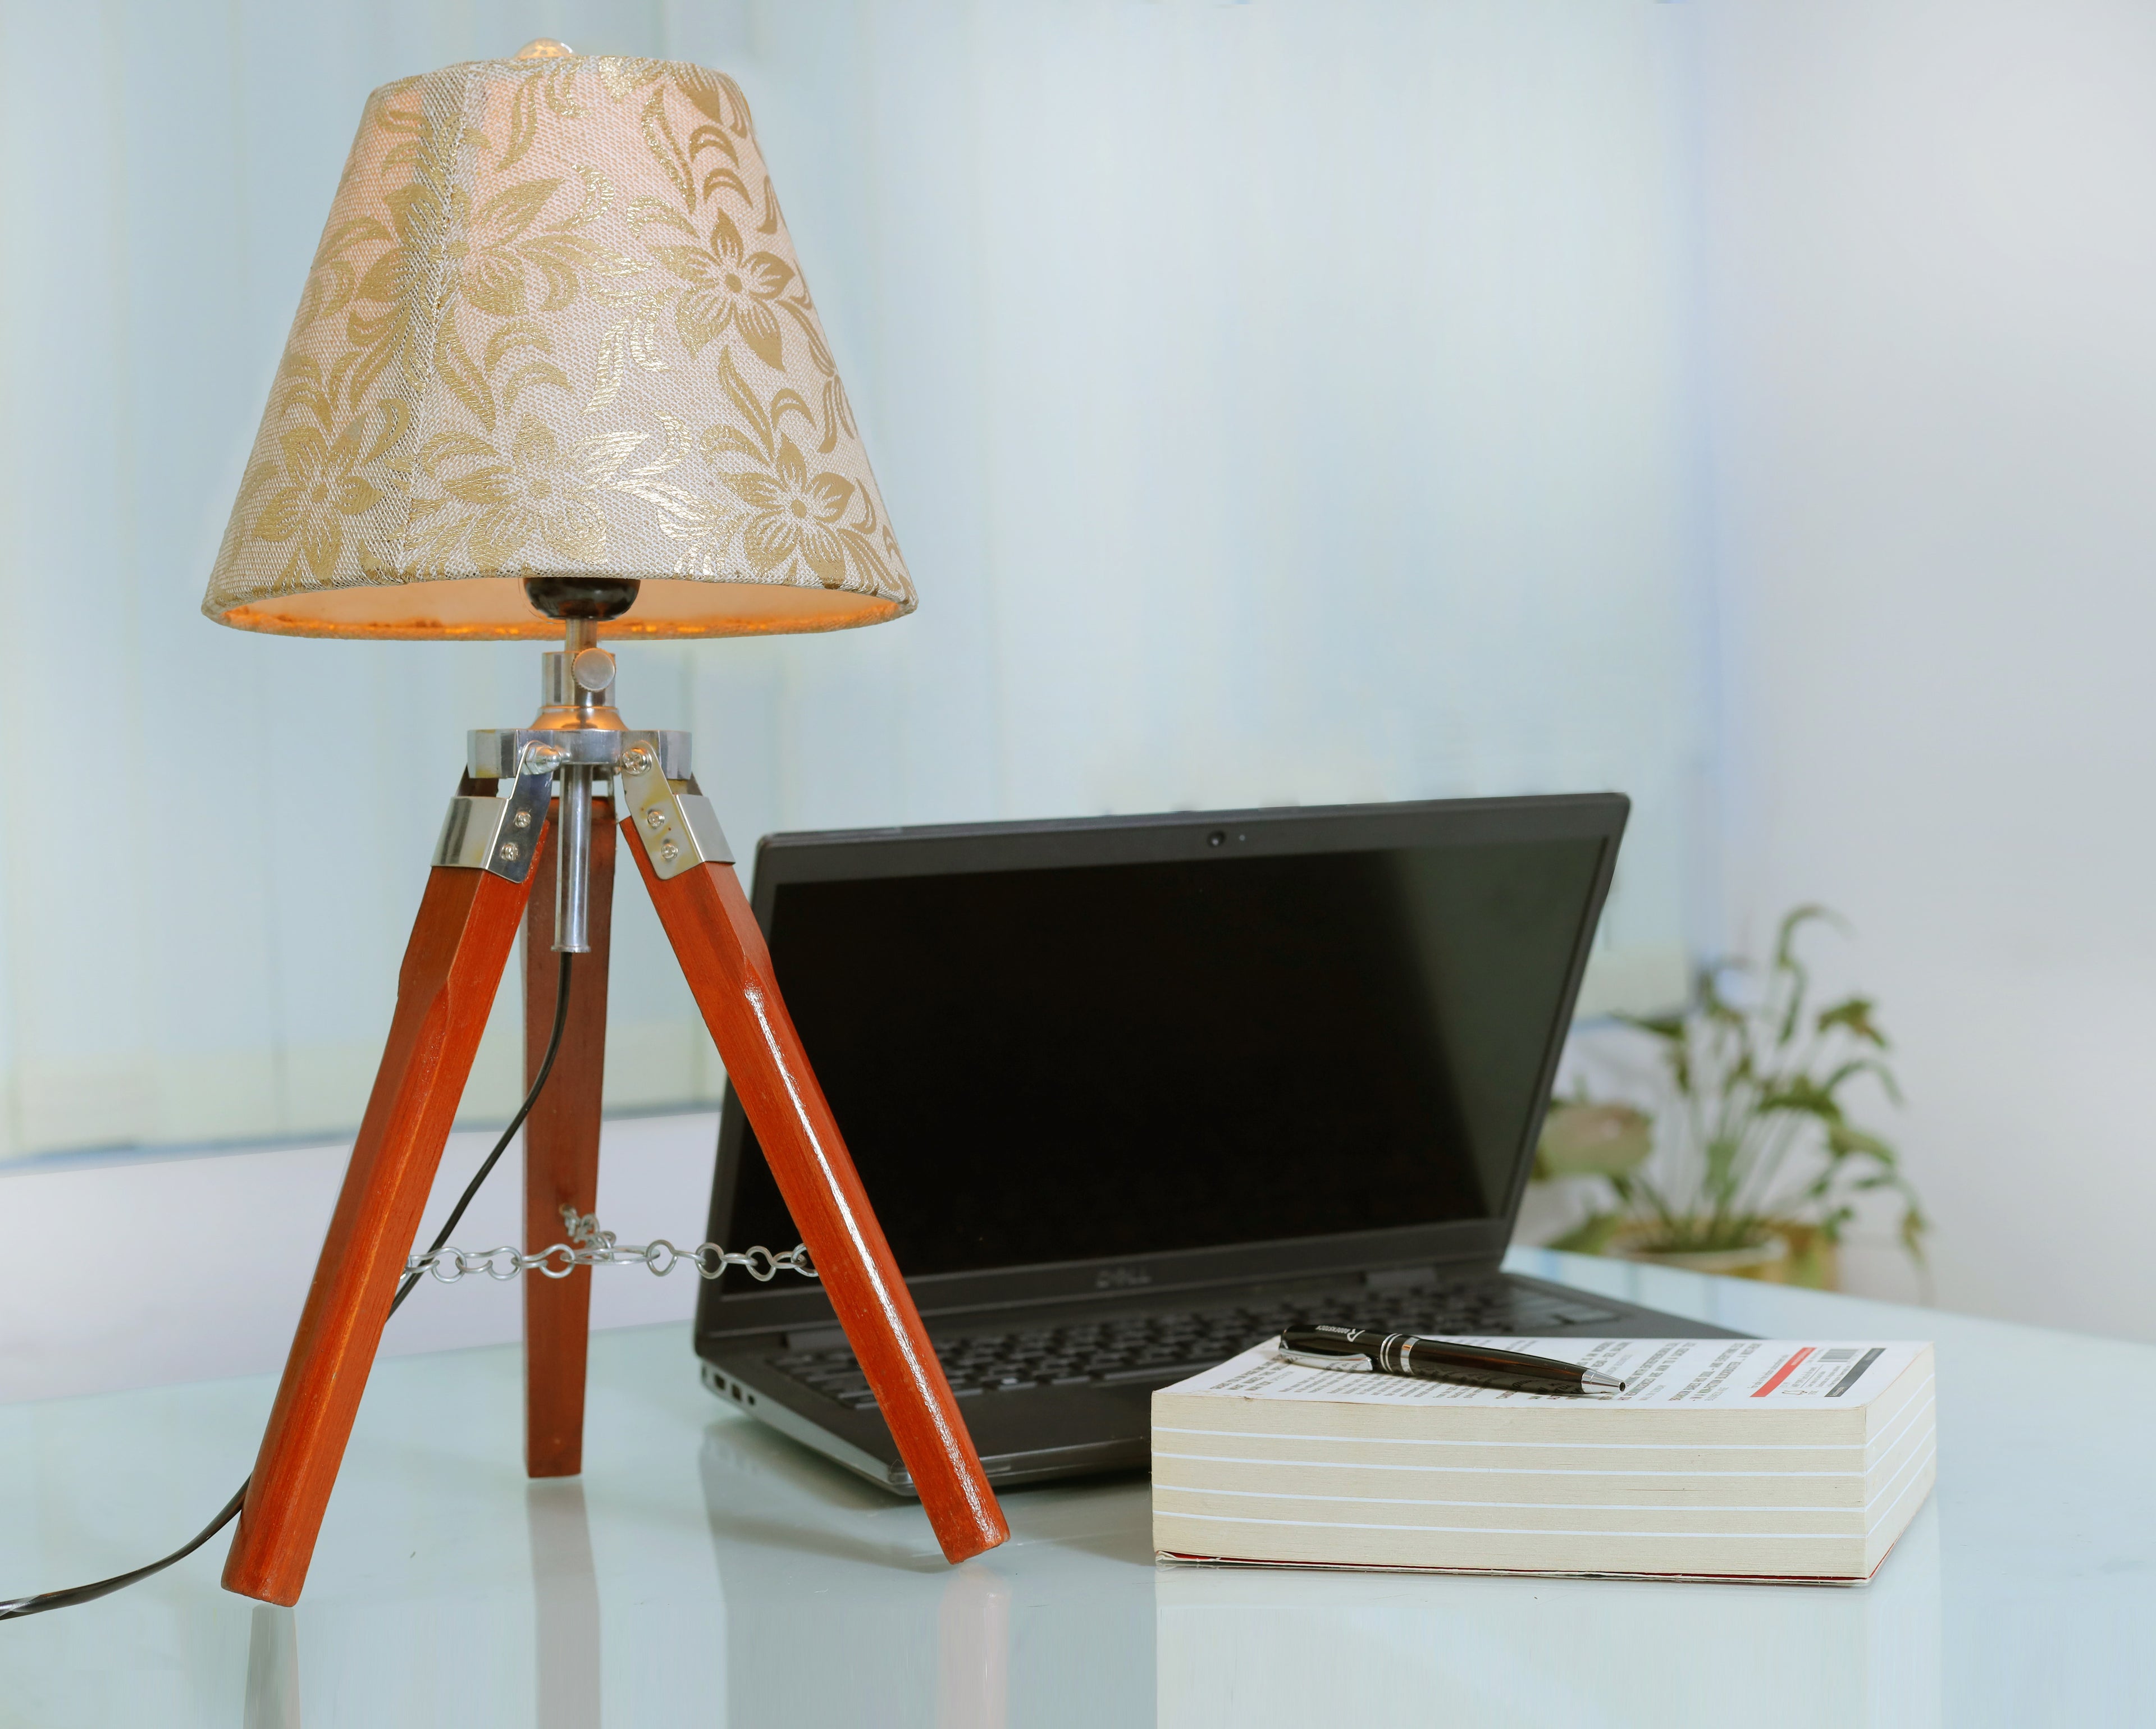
[[1284, 401]]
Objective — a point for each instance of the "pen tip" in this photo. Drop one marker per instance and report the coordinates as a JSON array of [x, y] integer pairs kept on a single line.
[[1594, 1381]]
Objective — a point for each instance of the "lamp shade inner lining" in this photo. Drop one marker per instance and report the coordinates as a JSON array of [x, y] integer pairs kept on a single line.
[[495, 608]]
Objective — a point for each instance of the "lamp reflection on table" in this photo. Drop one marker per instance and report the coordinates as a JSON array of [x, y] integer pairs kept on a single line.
[[565, 1590], [795, 1536], [972, 1650], [273, 1668], [1236, 1646]]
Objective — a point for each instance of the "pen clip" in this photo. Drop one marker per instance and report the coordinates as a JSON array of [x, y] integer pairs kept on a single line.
[[1352, 1362]]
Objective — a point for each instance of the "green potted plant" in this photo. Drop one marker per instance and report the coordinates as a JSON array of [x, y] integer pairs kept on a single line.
[[1747, 1161]]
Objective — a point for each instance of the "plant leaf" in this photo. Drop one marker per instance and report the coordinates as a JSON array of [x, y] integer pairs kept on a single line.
[[1800, 1092], [1591, 1236], [1581, 1140], [1855, 1016], [1846, 1140]]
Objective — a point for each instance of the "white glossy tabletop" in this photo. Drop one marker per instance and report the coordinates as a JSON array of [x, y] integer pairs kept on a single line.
[[704, 1571]]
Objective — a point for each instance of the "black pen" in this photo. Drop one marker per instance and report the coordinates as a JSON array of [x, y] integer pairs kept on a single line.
[[1442, 1360]]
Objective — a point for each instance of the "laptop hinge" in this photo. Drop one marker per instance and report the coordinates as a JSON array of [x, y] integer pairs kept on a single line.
[[1399, 1278]]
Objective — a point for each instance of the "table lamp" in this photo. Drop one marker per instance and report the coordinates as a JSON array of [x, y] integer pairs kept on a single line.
[[556, 374]]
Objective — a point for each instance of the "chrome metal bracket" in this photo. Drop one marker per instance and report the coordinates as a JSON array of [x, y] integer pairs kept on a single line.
[[501, 835], [680, 829], [494, 753], [578, 735]]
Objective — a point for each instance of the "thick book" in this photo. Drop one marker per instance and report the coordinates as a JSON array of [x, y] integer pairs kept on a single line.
[[1724, 1458]]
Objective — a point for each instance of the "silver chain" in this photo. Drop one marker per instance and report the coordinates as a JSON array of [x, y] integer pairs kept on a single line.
[[588, 1246]]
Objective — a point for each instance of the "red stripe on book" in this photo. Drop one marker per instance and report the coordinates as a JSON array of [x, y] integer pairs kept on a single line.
[[1782, 1374]]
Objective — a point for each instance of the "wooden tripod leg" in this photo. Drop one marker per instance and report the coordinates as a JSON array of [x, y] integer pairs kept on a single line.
[[561, 1154], [452, 968], [722, 952]]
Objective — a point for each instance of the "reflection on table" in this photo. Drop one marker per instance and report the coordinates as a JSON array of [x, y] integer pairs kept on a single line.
[[705, 1570], [1237, 1646]]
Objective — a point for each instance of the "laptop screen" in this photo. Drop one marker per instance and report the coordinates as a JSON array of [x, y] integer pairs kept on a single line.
[[1037, 1065]]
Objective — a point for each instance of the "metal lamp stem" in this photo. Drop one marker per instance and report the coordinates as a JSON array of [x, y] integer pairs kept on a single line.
[[585, 685], [572, 875]]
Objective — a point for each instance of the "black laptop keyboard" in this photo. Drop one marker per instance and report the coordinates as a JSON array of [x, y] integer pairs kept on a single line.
[[1168, 1346]]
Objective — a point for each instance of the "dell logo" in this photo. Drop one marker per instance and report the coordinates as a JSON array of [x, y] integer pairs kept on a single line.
[[1122, 1279]]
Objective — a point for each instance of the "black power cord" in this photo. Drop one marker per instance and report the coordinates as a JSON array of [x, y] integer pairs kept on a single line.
[[71, 1595]]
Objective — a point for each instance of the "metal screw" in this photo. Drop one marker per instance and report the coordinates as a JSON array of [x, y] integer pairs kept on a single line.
[[654, 818], [669, 851], [592, 669], [522, 819], [508, 849], [637, 761]]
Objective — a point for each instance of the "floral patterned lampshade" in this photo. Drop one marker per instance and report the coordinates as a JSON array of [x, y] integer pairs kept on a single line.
[[556, 327]]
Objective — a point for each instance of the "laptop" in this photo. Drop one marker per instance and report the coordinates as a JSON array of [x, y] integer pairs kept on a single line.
[[1130, 1094]]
